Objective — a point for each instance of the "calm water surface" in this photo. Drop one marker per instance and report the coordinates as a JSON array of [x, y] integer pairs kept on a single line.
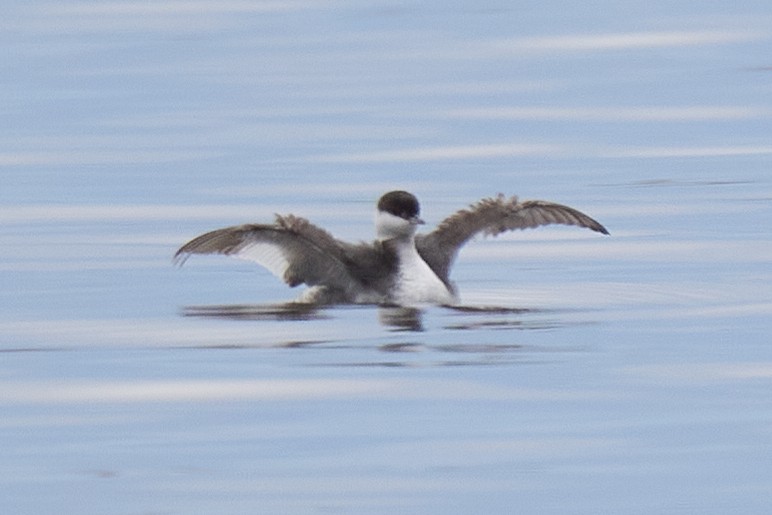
[[581, 374]]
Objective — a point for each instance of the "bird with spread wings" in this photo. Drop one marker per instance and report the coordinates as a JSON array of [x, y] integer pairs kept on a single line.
[[299, 252]]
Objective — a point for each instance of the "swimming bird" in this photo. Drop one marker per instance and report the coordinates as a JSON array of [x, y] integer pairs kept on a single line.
[[400, 267]]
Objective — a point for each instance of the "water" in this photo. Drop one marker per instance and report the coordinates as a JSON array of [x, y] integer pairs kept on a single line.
[[582, 374]]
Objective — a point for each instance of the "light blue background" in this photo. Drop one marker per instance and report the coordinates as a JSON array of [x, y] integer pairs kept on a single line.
[[636, 381]]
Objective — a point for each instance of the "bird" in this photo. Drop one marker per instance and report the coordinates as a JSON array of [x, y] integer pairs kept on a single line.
[[401, 267]]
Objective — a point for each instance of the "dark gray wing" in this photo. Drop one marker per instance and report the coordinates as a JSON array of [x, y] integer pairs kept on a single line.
[[493, 216], [293, 249]]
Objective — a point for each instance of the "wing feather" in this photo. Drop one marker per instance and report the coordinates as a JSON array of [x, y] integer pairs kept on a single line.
[[293, 249], [492, 216]]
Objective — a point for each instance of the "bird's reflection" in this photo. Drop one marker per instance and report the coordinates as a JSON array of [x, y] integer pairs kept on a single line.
[[400, 318], [290, 311], [395, 318], [392, 317], [430, 336]]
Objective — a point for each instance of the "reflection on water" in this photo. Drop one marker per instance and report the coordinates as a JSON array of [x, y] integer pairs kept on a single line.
[[396, 318], [290, 311], [455, 354], [464, 328], [492, 317], [399, 318]]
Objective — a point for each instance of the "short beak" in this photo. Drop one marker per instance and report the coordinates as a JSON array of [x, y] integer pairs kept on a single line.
[[416, 221]]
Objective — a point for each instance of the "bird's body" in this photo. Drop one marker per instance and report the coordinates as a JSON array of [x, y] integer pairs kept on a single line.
[[399, 267]]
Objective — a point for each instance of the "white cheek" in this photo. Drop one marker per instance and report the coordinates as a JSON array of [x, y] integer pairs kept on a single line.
[[389, 226]]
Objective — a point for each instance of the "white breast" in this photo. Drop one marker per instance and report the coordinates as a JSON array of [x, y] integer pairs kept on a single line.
[[416, 282]]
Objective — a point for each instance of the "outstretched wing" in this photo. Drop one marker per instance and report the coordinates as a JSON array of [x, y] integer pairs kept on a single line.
[[293, 249], [493, 216]]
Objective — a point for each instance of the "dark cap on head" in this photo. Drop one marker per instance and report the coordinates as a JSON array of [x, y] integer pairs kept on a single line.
[[401, 204]]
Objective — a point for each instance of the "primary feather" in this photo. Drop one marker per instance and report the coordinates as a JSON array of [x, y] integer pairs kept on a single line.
[[492, 216], [298, 252]]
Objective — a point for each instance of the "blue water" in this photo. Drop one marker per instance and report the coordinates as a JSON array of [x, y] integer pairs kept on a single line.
[[582, 374]]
